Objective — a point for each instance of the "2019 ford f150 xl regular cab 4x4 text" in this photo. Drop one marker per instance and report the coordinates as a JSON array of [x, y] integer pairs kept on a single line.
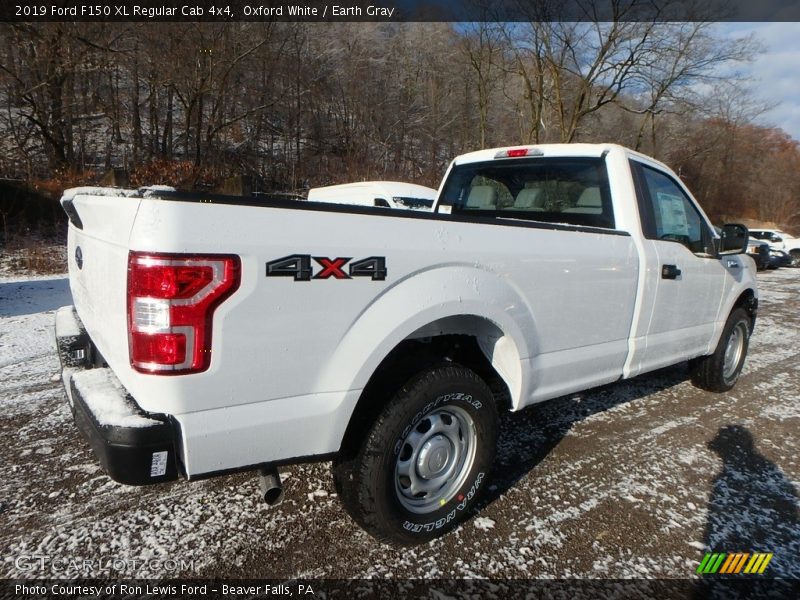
[[212, 334]]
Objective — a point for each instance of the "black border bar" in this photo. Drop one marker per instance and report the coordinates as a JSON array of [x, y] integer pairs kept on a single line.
[[397, 10], [568, 589]]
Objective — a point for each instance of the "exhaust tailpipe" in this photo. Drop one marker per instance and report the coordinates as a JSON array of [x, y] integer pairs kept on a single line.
[[271, 486]]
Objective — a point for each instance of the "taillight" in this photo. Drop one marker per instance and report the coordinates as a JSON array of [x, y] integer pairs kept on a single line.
[[171, 302]]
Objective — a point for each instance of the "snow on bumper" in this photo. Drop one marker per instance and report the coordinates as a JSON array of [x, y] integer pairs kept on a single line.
[[132, 446]]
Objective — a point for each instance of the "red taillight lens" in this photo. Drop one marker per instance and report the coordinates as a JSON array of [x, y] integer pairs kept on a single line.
[[518, 152], [171, 282], [171, 302], [159, 348]]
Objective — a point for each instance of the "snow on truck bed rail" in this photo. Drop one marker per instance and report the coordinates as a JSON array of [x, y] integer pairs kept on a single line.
[[111, 191]]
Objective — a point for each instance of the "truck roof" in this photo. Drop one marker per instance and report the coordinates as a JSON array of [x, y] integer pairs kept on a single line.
[[590, 150]]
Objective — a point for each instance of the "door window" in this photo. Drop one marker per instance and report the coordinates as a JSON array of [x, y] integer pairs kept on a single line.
[[674, 216]]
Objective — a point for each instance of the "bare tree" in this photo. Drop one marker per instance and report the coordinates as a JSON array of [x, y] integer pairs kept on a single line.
[[298, 104], [684, 59], [481, 43]]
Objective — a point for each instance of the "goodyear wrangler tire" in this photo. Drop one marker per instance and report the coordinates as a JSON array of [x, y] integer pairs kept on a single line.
[[419, 471], [719, 372]]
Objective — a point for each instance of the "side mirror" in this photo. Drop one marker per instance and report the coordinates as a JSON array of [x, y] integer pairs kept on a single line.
[[776, 239], [734, 239]]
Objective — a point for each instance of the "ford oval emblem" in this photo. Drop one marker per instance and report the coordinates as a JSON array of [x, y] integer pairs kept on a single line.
[[79, 257]]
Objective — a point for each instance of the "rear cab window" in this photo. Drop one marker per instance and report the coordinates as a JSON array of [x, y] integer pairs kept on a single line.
[[572, 191]]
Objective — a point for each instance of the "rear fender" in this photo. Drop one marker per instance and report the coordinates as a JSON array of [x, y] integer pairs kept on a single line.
[[443, 300]]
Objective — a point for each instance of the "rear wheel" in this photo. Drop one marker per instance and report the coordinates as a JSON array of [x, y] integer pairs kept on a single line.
[[420, 468], [718, 372]]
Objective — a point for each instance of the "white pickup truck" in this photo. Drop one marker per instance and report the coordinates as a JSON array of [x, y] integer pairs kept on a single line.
[[212, 334]]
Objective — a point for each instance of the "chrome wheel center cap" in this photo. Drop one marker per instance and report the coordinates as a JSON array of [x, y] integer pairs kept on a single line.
[[434, 457]]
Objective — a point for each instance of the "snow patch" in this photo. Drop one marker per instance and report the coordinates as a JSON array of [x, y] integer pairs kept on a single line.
[[484, 523], [153, 190], [107, 400], [157, 188], [699, 545], [66, 322], [781, 412], [672, 425], [72, 193], [317, 494]]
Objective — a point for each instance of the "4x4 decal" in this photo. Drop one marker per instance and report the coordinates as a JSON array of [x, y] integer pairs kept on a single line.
[[298, 266]]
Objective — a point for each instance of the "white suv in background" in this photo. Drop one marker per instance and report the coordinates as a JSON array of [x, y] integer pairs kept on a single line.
[[386, 194], [780, 240]]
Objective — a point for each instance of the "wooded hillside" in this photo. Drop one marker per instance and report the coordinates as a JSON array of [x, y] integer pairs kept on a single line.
[[297, 105]]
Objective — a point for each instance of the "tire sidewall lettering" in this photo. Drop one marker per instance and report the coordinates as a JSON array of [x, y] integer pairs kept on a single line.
[[377, 505]]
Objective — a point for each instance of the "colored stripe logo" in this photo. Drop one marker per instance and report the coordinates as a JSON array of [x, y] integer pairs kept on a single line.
[[732, 563]]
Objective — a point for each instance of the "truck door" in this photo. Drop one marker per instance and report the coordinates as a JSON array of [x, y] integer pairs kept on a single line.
[[690, 277]]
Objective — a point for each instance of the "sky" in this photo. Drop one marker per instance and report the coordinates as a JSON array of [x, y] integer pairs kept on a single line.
[[775, 74]]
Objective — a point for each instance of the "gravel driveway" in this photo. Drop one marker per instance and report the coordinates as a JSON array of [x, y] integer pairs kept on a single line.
[[631, 480]]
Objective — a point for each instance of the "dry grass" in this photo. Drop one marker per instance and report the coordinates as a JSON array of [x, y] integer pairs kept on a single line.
[[33, 255]]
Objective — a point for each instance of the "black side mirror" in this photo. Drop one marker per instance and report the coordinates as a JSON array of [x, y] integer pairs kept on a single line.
[[734, 239], [776, 239]]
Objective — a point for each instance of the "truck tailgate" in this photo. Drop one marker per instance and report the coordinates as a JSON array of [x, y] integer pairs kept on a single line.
[[100, 224]]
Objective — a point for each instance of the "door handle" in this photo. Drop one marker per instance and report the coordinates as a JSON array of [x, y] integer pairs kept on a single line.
[[670, 272]]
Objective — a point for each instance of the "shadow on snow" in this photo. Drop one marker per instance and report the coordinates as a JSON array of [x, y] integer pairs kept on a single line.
[[18, 298]]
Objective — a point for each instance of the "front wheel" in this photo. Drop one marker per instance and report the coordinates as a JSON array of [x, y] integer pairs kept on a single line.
[[718, 372], [795, 254], [419, 471]]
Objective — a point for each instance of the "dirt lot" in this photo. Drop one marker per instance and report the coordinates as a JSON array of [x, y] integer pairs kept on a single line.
[[635, 479]]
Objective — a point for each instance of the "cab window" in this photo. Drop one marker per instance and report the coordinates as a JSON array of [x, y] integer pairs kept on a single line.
[[571, 191], [672, 215]]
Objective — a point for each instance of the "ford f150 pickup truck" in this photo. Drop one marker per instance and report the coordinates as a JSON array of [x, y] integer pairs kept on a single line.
[[213, 334]]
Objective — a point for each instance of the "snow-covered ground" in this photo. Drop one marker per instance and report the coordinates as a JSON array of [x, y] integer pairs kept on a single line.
[[631, 480]]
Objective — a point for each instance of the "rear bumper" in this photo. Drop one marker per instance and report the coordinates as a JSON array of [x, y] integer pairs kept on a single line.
[[133, 447]]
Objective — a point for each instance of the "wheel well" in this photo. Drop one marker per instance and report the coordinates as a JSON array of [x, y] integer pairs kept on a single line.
[[748, 301], [407, 359]]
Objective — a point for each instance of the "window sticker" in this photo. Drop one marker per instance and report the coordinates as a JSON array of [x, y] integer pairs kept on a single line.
[[673, 214]]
